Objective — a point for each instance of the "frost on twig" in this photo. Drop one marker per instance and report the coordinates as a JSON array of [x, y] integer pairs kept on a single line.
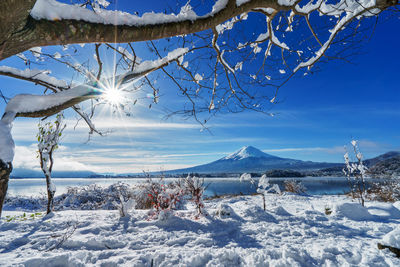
[[356, 173], [262, 186], [48, 141]]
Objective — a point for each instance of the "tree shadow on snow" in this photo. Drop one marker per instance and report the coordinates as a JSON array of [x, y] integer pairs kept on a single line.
[[222, 231]]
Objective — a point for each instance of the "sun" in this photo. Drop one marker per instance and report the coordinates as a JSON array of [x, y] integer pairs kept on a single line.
[[113, 95]]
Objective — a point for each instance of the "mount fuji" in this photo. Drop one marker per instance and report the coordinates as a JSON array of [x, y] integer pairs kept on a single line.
[[251, 159]]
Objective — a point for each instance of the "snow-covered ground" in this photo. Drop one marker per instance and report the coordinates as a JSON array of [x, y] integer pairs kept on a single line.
[[294, 231]]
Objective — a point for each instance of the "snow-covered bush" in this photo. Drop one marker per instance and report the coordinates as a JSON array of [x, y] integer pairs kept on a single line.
[[25, 203], [141, 197], [356, 173], [92, 197], [194, 187], [262, 187], [294, 186], [126, 199], [224, 211], [387, 191], [164, 197]]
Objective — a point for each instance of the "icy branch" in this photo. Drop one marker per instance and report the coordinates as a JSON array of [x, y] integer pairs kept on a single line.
[[26, 105], [54, 10], [41, 77], [146, 67]]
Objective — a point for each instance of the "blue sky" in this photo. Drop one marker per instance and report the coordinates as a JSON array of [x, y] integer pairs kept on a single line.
[[317, 115]]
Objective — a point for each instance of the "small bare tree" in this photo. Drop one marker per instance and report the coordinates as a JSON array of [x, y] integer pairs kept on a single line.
[[356, 173], [194, 186], [48, 137]]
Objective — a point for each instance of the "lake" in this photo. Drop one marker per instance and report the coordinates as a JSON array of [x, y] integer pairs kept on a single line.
[[216, 186]]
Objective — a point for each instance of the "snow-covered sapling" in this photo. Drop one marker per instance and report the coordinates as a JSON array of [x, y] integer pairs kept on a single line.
[[356, 173], [126, 199], [262, 187], [48, 138], [194, 186]]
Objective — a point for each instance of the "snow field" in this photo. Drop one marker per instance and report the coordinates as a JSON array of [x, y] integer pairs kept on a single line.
[[293, 231]]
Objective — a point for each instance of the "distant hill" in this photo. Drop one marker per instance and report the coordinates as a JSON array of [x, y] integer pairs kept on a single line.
[[384, 165], [251, 159], [388, 166], [380, 158]]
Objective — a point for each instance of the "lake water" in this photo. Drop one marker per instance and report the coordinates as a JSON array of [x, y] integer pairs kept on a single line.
[[216, 186]]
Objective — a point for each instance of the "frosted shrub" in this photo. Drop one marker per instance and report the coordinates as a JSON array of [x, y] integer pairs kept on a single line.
[[164, 197], [92, 197], [387, 191], [262, 187], [142, 199], [355, 173], [224, 211], [25, 203], [126, 199], [294, 186], [194, 187]]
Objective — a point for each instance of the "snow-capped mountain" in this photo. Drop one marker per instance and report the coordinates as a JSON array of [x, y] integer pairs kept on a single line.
[[247, 152], [251, 159]]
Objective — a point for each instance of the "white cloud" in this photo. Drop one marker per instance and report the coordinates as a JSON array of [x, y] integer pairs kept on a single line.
[[26, 157], [129, 123], [331, 150]]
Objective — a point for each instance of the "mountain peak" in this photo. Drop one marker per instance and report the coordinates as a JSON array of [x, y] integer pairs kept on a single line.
[[247, 152]]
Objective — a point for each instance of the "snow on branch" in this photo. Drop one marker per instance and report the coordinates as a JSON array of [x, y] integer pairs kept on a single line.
[[148, 66], [352, 10], [54, 10], [41, 77], [294, 37], [27, 105]]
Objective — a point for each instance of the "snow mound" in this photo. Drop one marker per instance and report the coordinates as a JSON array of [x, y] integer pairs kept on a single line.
[[392, 238], [256, 214], [353, 211], [281, 211], [59, 260], [384, 210], [397, 205]]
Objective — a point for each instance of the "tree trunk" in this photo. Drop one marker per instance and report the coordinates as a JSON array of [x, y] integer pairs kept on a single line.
[[5, 170], [50, 195]]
